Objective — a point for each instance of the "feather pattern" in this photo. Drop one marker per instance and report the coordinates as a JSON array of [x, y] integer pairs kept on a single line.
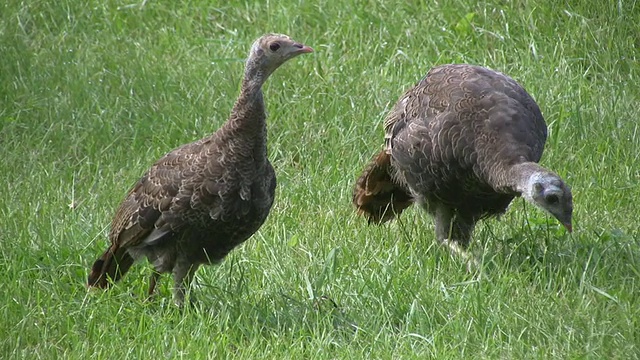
[[203, 199], [463, 142]]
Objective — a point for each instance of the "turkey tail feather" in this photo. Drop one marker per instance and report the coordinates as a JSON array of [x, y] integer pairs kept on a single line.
[[377, 195], [112, 265]]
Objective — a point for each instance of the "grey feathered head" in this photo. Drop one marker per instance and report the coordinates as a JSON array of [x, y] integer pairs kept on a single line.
[[549, 192], [272, 50]]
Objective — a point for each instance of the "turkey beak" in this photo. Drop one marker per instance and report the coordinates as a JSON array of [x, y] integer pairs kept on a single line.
[[302, 49], [565, 220], [568, 226]]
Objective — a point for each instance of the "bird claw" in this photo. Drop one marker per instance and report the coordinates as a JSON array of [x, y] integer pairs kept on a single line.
[[472, 261]]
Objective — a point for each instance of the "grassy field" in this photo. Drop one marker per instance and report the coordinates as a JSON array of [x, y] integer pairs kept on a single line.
[[91, 93]]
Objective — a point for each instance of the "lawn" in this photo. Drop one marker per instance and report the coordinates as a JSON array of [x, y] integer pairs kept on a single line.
[[93, 92]]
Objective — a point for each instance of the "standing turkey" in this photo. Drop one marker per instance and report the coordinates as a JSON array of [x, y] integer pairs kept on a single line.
[[462, 143], [201, 200]]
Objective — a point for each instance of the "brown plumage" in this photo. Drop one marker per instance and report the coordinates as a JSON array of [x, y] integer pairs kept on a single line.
[[378, 195], [462, 143], [201, 200]]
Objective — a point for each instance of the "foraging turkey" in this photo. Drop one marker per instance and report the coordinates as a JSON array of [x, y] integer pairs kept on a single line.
[[203, 199], [462, 143]]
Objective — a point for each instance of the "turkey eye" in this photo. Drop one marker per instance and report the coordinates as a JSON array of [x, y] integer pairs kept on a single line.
[[552, 199], [274, 47]]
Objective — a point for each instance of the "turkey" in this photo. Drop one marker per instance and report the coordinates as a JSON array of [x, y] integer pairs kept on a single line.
[[462, 143], [201, 200]]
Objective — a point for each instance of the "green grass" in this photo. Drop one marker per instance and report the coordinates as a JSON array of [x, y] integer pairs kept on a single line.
[[91, 93]]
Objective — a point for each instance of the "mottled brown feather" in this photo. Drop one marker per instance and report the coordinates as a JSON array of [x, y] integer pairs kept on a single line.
[[463, 142], [199, 201], [377, 195]]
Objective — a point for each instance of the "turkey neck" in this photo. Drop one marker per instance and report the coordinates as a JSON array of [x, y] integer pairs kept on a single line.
[[515, 179], [246, 127]]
